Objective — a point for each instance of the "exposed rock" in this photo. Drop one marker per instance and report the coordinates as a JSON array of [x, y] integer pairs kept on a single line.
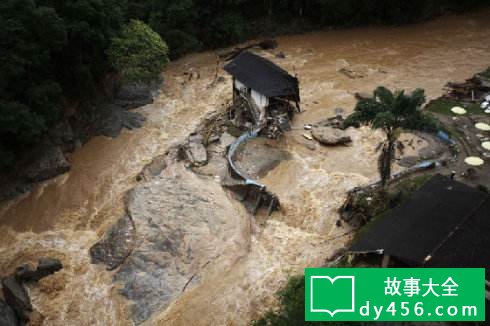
[[153, 169], [111, 119], [131, 96], [226, 139], [408, 161], [17, 298], [196, 153], [330, 136], [7, 315], [258, 156], [48, 162], [45, 267], [116, 245], [186, 227]]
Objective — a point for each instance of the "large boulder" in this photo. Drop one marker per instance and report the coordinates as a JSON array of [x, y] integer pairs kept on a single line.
[[259, 156], [330, 136], [116, 245], [47, 161], [186, 228], [17, 298], [7, 315]]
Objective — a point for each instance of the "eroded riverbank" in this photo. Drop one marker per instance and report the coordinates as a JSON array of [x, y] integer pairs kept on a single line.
[[248, 259]]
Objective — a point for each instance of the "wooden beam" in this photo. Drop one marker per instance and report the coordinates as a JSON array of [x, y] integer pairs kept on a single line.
[[386, 261]]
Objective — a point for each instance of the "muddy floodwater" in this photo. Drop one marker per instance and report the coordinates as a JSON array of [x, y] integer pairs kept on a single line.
[[252, 257]]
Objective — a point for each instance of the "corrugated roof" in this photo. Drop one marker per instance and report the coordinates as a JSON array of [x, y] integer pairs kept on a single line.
[[263, 76], [445, 221]]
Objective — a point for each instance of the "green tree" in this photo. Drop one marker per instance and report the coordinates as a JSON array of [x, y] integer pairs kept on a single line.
[[391, 112], [139, 54], [291, 310]]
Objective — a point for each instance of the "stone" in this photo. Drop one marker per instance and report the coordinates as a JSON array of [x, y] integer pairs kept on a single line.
[[330, 136], [281, 55], [7, 315], [47, 162], [256, 157], [133, 95], [186, 227], [196, 153], [408, 161], [45, 267], [226, 140], [116, 245], [17, 298]]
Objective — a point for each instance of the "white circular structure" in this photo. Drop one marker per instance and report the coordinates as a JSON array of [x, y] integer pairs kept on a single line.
[[458, 110], [482, 126], [486, 145], [474, 161]]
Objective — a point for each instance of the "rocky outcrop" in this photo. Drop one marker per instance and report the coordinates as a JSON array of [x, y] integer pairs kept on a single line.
[[7, 315], [330, 136], [45, 267], [258, 156], [48, 162], [185, 227], [116, 245], [131, 96], [17, 298]]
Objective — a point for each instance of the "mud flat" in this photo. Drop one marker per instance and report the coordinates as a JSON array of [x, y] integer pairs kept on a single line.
[[223, 266]]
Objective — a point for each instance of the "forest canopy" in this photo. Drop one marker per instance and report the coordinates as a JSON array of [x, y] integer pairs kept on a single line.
[[56, 51]]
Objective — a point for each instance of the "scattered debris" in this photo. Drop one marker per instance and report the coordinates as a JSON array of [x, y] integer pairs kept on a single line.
[[267, 44], [307, 136], [472, 90]]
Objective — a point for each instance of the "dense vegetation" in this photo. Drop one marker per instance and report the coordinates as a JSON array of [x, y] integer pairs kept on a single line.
[[53, 52], [292, 308]]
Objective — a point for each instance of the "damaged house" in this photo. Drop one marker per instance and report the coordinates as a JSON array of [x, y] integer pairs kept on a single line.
[[265, 96], [444, 224]]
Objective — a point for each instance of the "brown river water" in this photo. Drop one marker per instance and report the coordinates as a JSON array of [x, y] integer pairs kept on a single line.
[[65, 216]]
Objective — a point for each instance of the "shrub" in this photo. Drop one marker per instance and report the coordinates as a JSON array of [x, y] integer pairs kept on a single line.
[[139, 54]]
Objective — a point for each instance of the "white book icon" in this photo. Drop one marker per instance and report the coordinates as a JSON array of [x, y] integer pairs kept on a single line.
[[332, 295]]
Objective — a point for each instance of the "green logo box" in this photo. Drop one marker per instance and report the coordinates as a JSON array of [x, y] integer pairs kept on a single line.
[[395, 294]]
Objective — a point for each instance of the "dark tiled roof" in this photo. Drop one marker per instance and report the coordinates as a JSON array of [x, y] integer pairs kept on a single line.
[[263, 76], [444, 224]]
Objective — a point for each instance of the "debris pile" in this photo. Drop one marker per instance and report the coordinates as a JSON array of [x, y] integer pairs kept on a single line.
[[473, 90]]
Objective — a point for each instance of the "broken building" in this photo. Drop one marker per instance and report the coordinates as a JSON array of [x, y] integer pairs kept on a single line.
[[265, 96]]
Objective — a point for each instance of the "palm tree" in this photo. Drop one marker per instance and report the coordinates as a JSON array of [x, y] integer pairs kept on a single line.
[[391, 112]]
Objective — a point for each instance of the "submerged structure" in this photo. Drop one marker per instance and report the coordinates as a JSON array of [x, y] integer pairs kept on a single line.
[[265, 96]]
